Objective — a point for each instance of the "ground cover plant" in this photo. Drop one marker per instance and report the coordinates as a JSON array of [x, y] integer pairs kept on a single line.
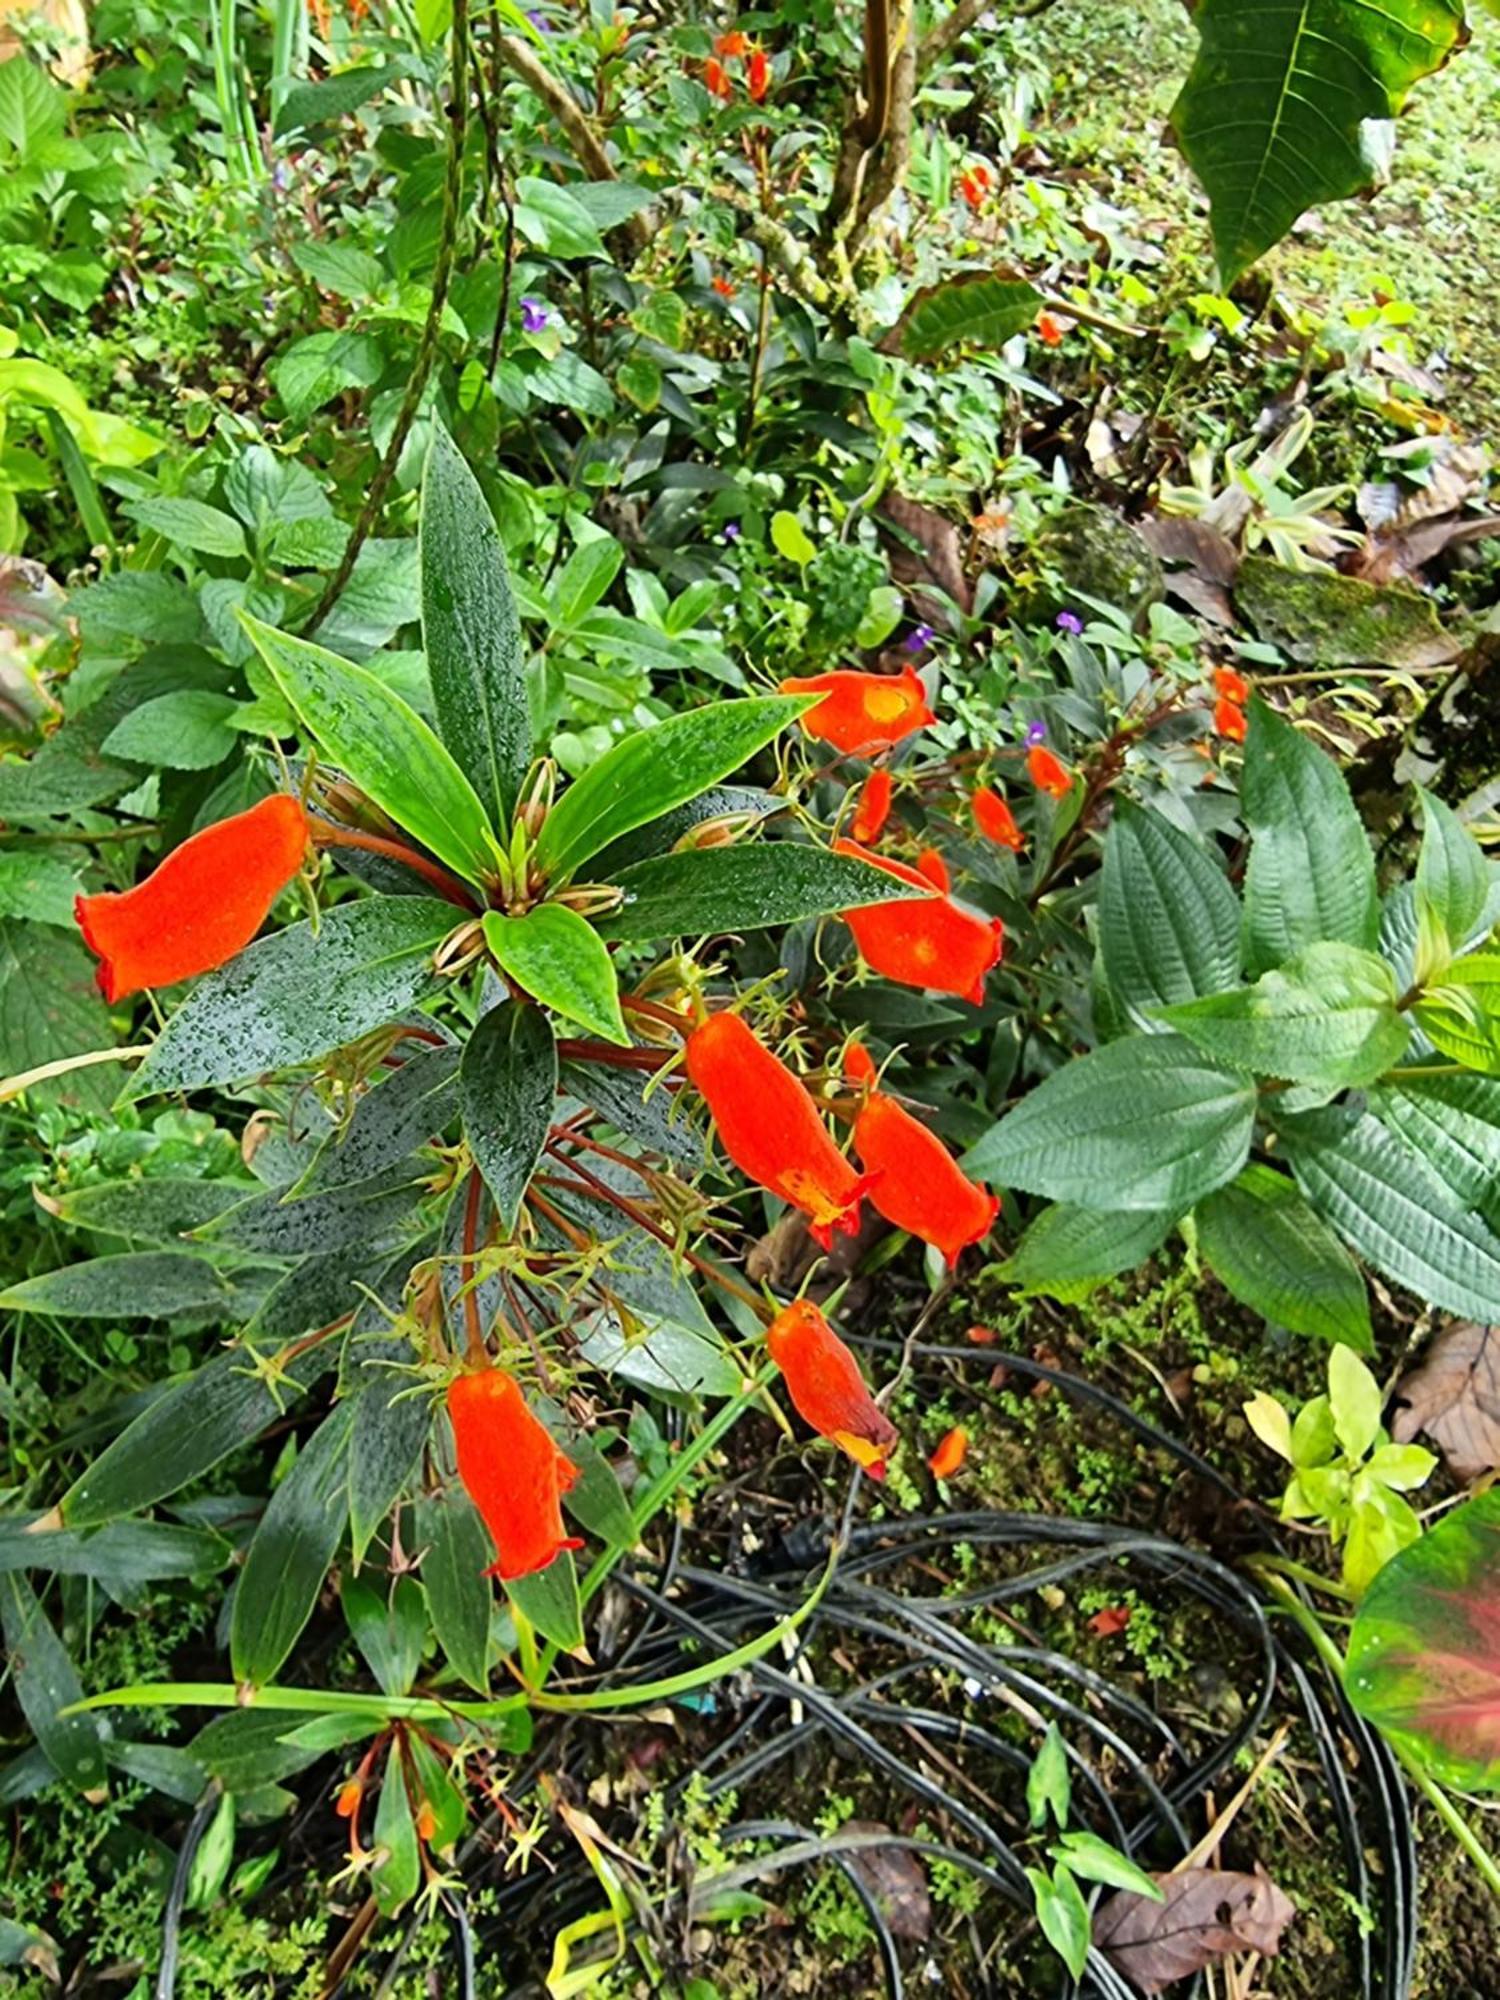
[[749, 1015]]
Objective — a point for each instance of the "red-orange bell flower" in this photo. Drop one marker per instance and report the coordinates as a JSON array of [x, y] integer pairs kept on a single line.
[[1229, 719], [732, 44], [827, 1389], [511, 1470], [995, 819], [769, 1125], [1049, 330], [863, 712], [934, 869], [915, 1181], [933, 943], [974, 185], [1048, 773], [859, 1065], [758, 75], [716, 79], [874, 807], [952, 1450], [203, 904], [1233, 686]]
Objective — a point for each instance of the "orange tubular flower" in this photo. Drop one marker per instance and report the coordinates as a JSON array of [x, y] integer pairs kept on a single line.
[[203, 904], [874, 807], [346, 1805], [863, 712], [951, 1452], [934, 943], [974, 185], [995, 819], [915, 1181], [732, 44], [723, 287], [1049, 330], [769, 1125], [1048, 773], [511, 1470], [934, 869], [826, 1387], [1229, 719], [859, 1065], [1234, 687], [716, 79], [758, 75]]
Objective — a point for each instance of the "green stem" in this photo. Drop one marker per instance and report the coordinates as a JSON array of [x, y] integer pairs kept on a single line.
[[1451, 1817], [298, 1701]]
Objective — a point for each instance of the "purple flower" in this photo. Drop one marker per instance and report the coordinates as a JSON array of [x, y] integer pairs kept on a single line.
[[539, 20], [1036, 732], [731, 531], [534, 315], [1069, 621], [919, 638]]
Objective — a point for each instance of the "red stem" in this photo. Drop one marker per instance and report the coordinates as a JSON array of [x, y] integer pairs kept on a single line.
[[447, 886]]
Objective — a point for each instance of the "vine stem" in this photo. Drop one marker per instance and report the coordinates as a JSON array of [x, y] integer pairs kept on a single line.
[[442, 274]]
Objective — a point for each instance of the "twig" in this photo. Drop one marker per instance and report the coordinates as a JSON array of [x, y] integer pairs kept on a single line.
[[581, 135]]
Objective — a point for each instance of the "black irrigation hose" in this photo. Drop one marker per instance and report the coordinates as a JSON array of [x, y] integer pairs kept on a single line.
[[171, 1931]]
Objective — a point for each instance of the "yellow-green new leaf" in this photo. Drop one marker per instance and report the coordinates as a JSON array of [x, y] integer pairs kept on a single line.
[[560, 960]]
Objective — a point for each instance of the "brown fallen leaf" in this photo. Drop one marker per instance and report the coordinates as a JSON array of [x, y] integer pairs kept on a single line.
[[1208, 1913], [894, 1877], [924, 549], [1454, 1396]]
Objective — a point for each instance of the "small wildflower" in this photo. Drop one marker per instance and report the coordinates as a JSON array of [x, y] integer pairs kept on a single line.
[[933, 943], [758, 75], [862, 712], [346, 1805], [716, 79], [1036, 732], [1048, 773], [915, 1181], [919, 638], [995, 819], [827, 1389], [950, 1454], [731, 529], [1069, 621], [1233, 686], [732, 44], [1049, 329], [1229, 719], [1111, 1621], [426, 1821], [534, 315], [974, 185], [512, 1470], [724, 289], [874, 807]]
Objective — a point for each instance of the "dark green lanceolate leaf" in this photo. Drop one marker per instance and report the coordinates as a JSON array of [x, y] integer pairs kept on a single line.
[[122, 1554], [288, 1558], [548, 1600], [317, 1291], [1328, 1016], [595, 1499], [1063, 1916], [507, 1090], [389, 1428], [624, 1100], [1423, 1663], [389, 1626], [1395, 1211], [149, 1211], [1272, 115], [46, 1682], [361, 725], [711, 889], [980, 308], [1067, 1250], [1453, 1124], [370, 1213], [1311, 874], [1169, 923], [185, 1432], [1143, 1123], [655, 770], [50, 1007], [292, 997], [560, 960], [1280, 1259], [472, 632], [390, 1122], [746, 803], [136, 1284], [1452, 877], [396, 1876], [454, 1565]]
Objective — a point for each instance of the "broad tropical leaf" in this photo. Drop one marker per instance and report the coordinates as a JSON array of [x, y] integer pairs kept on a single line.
[[1328, 1016], [1272, 115], [1279, 1258], [1169, 923], [982, 308]]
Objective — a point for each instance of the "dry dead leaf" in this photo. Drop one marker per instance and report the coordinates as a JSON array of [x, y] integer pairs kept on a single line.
[[1454, 1397], [894, 1877], [1208, 1913], [924, 549]]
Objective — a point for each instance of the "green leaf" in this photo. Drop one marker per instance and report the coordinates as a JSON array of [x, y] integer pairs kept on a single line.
[[185, 1432], [309, 104], [123, 1554], [1063, 1916], [507, 1092], [1453, 1124], [387, 1433], [1270, 1423], [1452, 876], [560, 960], [287, 1562], [548, 1599], [192, 525], [1311, 874], [294, 996], [1396, 1212], [340, 267], [397, 1875], [46, 1682], [1462, 1016], [665, 1357], [708, 889], [390, 1122], [388, 1626], [791, 540], [33, 109], [555, 220], [457, 1555], [981, 308], [1049, 1785], [136, 1284], [1095, 1860], [1328, 1016], [1067, 1251], [1141, 1123], [1279, 1258], [189, 730], [472, 632], [37, 886], [584, 578], [1354, 1398], [1422, 1659], [1272, 116], [50, 1006], [384, 747], [654, 770], [1169, 923]]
